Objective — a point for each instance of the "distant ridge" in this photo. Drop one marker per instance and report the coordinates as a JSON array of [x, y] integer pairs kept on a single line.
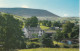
[[28, 12]]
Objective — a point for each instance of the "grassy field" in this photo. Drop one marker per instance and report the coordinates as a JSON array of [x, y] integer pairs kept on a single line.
[[51, 49], [44, 27]]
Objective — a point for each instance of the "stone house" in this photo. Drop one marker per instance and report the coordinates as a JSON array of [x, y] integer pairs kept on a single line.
[[29, 31]]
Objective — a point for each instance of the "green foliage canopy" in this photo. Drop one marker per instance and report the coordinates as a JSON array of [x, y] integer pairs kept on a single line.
[[11, 34], [46, 41], [32, 22]]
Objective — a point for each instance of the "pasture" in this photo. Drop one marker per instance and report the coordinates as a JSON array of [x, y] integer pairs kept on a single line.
[[51, 49]]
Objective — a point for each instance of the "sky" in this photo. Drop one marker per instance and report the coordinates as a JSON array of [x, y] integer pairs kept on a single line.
[[63, 8]]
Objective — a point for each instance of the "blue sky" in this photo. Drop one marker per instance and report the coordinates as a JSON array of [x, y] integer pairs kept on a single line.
[[59, 7]]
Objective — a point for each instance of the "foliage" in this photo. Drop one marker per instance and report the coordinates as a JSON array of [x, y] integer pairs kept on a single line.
[[75, 46], [58, 36], [57, 46], [33, 45], [34, 40], [57, 24], [69, 31], [44, 22], [66, 46], [11, 32], [35, 35], [32, 22], [27, 22], [75, 32], [67, 28], [49, 24], [46, 41]]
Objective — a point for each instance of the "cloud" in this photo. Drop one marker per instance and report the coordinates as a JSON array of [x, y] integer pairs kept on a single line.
[[24, 6], [65, 15]]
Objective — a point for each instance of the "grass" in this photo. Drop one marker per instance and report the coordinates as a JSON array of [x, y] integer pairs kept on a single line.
[[32, 42], [50, 30], [51, 49], [44, 27], [55, 42], [47, 29]]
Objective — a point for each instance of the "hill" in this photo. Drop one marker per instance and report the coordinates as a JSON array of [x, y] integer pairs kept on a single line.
[[28, 12]]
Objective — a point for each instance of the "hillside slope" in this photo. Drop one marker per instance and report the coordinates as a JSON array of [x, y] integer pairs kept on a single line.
[[28, 12]]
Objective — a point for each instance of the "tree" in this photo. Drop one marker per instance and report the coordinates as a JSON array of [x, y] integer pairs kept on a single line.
[[57, 24], [67, 28], [28, 22], [44, 22], [69, 31], [11, 32], [35, 35], [74, 34], [32, 22], [49, 24], [58, 36], [46, 41]]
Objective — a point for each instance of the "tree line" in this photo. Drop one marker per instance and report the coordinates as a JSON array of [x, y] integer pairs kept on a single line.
[[50, 23]]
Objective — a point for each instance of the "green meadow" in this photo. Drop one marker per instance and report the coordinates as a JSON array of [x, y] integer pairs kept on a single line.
[[51, 49]]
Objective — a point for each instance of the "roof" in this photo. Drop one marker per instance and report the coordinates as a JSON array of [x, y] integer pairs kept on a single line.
[[49, 32]]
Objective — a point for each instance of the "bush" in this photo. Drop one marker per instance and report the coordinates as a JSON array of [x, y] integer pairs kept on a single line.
[[75, 46], [33, 45], [23, 45], [66, 46], [34, 40], [56, 46], [46, 41]]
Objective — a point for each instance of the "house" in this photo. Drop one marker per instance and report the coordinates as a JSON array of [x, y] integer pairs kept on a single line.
[[54, 28], [29, 31]]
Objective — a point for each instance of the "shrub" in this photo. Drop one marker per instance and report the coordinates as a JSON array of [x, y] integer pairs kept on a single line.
[[46, 41], [23, 45], [75, 46], [33, 45], [34, 40], [66, 46], [56, 46]]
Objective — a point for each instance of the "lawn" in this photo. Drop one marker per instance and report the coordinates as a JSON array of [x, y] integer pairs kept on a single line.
[[44, 27], [47, 29], [51, 49], [55, 42]]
